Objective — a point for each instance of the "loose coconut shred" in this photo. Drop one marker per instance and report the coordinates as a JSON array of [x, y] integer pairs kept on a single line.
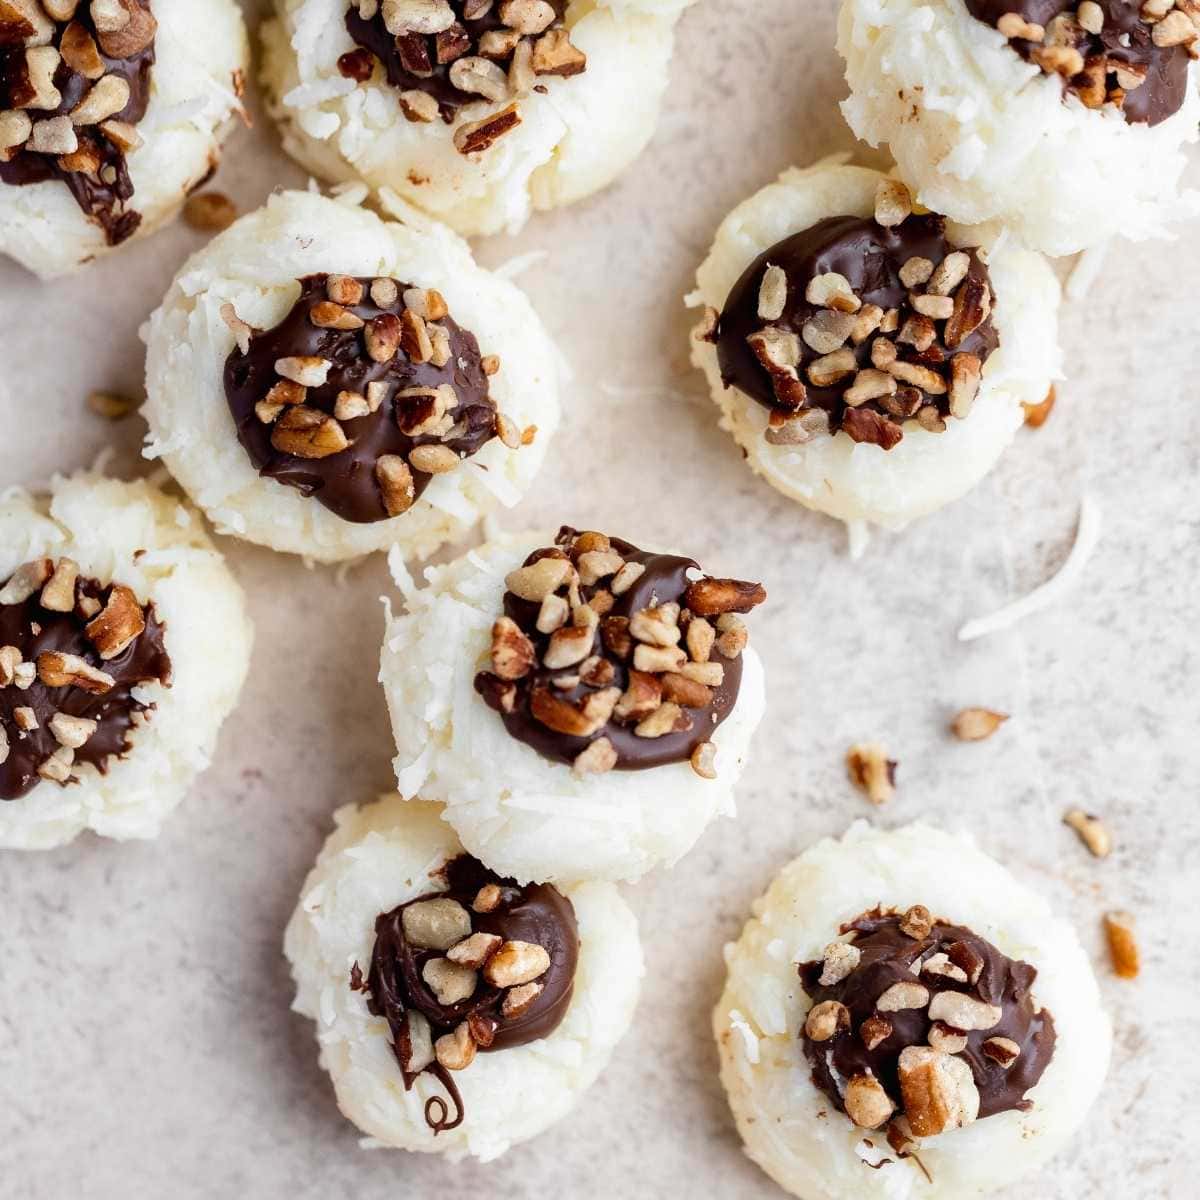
[[1087, 535]]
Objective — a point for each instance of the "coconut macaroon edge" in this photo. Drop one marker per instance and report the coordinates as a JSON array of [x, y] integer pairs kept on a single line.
[[1063, 177], [789, 1127], [858, 483], [526, 816], [571, 141], [379, 856], [133, 533], [254, 266], [196, 100]]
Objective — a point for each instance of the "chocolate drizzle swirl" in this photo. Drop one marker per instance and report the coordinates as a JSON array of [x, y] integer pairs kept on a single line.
[[346, 482], [35, 630], [608, 664], [537, 913], [869, 257], [103, 190], [421, 62], [888, 954], [1125, 41]]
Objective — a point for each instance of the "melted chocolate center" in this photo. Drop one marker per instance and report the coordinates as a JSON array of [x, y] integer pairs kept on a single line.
[[35, 630], [345, 482], [1125, 40], [422, 62], [104, 190], [537, 914], [869, 257], [887, 956], [665, 580]]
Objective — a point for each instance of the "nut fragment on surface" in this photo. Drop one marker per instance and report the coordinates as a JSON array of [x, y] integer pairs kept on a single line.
[[866, 1102], [599, 758], [977, 724], [1091, 830], [477, 136], [703, 760], [893, 203], [515, 963], [455, 1051], [1122, 944], [872, 771], [916, 922], [436, 924], [450, 982], [118, 624], [963, 1011], [1036, 415], [839, 959], [938, 1089], [57, 669], [901, 996], [110, 405], [826, 1019]]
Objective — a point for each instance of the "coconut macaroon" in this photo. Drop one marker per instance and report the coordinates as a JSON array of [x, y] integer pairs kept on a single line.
[[457, 1012], [124, 643], [478, 111], [1067, 121], [111, 112], [328, 383], [582, 707], [903, 1017], [870, 359]]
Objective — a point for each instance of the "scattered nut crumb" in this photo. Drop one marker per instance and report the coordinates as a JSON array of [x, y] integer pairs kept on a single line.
[[977, 724], [1122, 944], [1093, 833], [210, 212]]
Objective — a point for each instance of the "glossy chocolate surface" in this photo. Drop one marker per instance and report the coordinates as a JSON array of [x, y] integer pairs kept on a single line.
[[665, 580], [869, 256], [105, 194], [420, 62], [345, 482], [35, 630], [1125, 39], [887, 958], [536, 913]]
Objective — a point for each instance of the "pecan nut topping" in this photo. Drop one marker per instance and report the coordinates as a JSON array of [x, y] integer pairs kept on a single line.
[[74, 83], [73, 652], [608, 656], [360, 395], [481, 966], [860, 325], [944, 1025]]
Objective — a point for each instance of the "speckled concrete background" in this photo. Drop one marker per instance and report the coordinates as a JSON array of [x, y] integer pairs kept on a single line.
[[146, 1047]]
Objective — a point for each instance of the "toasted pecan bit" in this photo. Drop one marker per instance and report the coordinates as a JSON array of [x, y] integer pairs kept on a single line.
[[478, 136], [1091, 830], [711, 597], [395, 480], [308, 433], [118, 624], [210, 212], [872, 771], [977, 724], [598, 758], [1122, 944], [939, 1091], [1036, 415], [57, 669], [867, 1103]]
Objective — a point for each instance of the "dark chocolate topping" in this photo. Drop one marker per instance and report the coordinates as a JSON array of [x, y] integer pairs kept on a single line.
[[537, 913], [1125, 41], [347, 481], [869, 257], [422, 62], [101, 185], [887, 955], [607, 666], [35, 631]]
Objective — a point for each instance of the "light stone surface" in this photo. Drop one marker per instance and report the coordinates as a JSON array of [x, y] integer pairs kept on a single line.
[[146, 1047]]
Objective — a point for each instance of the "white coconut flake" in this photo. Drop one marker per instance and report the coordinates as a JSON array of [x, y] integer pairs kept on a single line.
[[1087, 535]]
